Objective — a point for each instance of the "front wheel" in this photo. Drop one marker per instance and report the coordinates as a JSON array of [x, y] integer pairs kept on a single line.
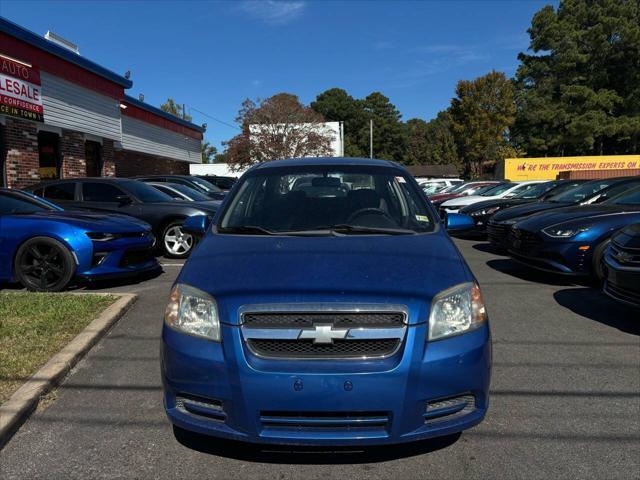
[[175, 241], [43, 264]]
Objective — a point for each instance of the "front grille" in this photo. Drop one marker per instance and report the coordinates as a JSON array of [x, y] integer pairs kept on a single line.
[[324, 420], [135, 257], [337, 349], [497, 233], [629, 257], [522, 240], [338, 320]]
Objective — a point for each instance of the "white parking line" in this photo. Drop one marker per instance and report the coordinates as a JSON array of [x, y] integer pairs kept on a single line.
[[172, 264]]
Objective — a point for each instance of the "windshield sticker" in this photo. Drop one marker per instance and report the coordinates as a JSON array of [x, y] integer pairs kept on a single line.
[[422, 218], [401, 180]]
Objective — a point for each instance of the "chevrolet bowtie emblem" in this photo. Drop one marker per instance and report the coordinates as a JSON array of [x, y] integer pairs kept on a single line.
[[323, 334]]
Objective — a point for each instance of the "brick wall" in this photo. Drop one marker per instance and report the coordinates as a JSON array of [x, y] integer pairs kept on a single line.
[[108, 158], [129, 164], [72, 149], [22, 165]]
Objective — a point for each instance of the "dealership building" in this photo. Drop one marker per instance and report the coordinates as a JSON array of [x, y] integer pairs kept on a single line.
[[63, 116]]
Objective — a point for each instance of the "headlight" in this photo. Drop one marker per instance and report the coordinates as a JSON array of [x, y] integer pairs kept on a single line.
[[560, 231], [485, 211], [456, 310], [100, 236], [192, 311]]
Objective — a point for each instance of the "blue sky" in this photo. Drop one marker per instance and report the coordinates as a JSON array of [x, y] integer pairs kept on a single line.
[[212, 55]]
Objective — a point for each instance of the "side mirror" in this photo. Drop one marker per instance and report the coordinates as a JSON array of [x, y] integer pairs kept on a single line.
[[458, 222], [196, 225], [124, 199]]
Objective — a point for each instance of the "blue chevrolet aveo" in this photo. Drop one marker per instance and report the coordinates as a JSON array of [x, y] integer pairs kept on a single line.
[[326, 305]]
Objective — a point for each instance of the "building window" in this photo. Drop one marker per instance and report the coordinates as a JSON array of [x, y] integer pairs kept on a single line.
[[49, 152], [93, 158]]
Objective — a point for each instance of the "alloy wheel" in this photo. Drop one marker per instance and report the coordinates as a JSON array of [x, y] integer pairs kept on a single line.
[[177, 241]]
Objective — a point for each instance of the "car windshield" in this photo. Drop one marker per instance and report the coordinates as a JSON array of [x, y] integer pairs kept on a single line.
[[496, 190], [581, 192], [146, 193], [535, 190], [630, 197], [192, 193], [205, 185], [322, 200], [12, 203]]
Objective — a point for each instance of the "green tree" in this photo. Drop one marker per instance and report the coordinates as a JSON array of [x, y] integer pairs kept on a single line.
[[481, 114], [431, 143], [389, 133], [579, 92], [208, 152], [170, 106], [336, 105]]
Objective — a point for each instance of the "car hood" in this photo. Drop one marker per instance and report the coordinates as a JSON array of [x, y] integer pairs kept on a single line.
[[95, 222], [241, 269], [208, 204], [526, 210], [586, 213], [468, 200], [443, 196]]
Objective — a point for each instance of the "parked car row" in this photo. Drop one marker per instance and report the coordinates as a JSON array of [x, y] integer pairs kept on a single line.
[[63, 231], [578, 228]]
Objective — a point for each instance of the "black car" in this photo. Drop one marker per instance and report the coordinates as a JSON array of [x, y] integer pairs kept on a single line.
[[192, 181], [622, 266], [224, 183], [481, 212], [587, 193], [130, 197]]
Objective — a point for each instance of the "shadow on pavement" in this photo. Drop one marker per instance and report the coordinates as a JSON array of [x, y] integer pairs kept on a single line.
[[596, 306], [523, 272], [489, 248], [308, 455]]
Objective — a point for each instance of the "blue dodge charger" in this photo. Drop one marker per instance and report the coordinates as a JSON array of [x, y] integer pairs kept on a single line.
[[346, 315], [45, 248]]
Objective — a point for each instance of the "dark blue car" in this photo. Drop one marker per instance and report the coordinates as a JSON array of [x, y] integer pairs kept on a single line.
[[44, 247], [573, 240], [346, 315], [622, 266]]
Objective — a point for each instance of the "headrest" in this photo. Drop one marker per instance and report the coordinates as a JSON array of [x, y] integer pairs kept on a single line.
[[325, 182]]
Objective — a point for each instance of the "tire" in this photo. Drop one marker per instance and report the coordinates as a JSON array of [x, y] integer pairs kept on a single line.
[[598, 268], [43, 264], [175, 242]]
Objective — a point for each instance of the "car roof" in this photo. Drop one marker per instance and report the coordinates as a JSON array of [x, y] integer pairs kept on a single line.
[[326, 161]]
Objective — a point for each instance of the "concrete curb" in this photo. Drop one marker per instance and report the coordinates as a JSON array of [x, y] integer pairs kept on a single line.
[[17, 409]]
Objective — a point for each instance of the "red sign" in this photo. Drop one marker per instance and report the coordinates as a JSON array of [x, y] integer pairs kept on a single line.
[[20, 91]]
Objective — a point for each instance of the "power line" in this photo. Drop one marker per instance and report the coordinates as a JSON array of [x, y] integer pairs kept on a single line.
[[191, 109]]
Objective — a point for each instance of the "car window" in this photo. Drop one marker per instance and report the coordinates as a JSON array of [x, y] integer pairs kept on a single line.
[[171, 192], [630, 197], [616, 190], [145, 192], [100, 192], [497, 190], [204, 185], [278, 200], [192, 193], [581, 192], [14, 203], [534, 190], [60, 191]]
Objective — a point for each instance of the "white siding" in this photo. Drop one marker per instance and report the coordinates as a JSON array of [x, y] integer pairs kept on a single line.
[[70, 106], [143, 137]]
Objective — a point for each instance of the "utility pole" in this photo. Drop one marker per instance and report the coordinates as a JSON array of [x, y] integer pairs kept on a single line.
[[184, 112], [371, 138]]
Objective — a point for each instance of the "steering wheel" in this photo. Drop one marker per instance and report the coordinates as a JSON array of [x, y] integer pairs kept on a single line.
[[368, 211]]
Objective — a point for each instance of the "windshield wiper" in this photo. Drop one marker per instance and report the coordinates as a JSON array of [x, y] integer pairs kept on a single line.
[[346, 229], [247, 230]]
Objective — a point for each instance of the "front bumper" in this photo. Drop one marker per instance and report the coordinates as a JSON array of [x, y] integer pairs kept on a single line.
[[550, 255], [324, 402], [119, 258], [622, 282]]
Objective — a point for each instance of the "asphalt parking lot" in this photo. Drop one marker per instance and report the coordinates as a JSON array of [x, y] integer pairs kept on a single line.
[[565, 400]]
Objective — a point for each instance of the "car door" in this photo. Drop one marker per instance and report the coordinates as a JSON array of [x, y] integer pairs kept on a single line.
[[108, 197]]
